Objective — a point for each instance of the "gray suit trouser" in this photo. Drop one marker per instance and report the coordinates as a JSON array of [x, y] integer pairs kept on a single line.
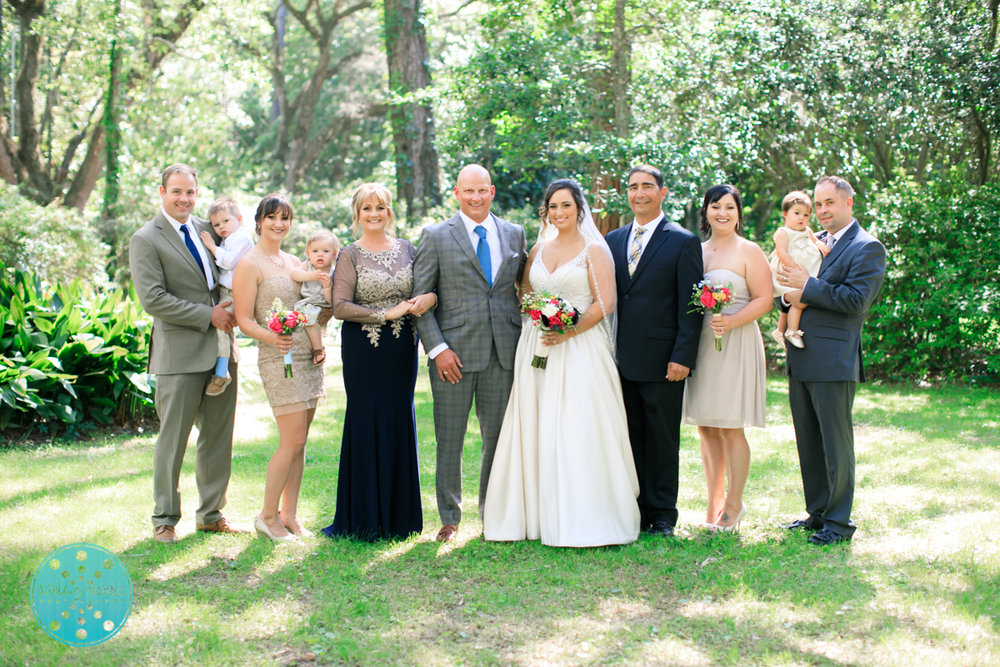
[[180, 404], [824, 435], [490, 388]]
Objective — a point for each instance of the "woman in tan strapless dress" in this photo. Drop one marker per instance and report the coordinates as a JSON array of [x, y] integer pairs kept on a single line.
[[263, 275]]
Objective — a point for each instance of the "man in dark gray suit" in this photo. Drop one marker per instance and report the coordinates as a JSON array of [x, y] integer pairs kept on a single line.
[[823, 375], [175, 280], [473, 263]]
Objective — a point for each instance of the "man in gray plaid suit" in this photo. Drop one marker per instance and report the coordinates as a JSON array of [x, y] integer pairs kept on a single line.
[[473, 263]]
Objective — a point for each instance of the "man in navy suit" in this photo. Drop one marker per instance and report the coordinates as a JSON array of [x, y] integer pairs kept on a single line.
[[657, 263], [823, 375]]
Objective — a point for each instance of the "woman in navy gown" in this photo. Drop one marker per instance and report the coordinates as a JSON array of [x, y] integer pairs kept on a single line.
[[378, 489]]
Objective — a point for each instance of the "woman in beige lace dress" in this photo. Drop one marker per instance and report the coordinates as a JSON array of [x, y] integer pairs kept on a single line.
[[263, 275], [378, 487]]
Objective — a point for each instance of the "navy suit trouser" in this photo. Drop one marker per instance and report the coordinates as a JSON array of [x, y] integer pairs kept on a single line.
[[824, 435]]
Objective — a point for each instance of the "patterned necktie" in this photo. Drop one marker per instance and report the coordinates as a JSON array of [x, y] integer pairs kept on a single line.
[[636, 250], [831, 241], [193, 248], [483, 253]]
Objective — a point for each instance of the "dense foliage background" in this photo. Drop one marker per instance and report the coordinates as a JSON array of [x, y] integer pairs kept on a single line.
[[901, 98]]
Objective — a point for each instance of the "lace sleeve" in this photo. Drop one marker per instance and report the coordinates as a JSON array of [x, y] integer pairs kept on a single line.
[[345, 283]]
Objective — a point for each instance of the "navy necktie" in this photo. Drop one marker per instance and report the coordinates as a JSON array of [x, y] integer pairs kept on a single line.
[[193, 248], [483, 253]]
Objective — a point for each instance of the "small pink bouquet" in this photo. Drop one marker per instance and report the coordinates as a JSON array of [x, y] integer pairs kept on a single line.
[[284, 322], [709, 297], [547, 313]]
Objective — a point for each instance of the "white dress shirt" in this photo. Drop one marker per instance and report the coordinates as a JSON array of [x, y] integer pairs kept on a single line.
[[202, 252], [650, 227], [492, 238]]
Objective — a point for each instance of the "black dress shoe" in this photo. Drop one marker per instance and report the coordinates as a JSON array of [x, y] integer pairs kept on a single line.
[[807, 523], [826, 537], [661, 528]]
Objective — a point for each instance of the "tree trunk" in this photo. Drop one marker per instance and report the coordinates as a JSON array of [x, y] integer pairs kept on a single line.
[[412, 119], [29, 153], [621, 79]]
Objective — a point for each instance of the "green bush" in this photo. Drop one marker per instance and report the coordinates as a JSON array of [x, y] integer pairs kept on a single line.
[[69, 359], [55, 243], [937, 315]]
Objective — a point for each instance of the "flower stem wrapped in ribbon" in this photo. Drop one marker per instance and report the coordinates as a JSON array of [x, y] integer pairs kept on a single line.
[[284, 322], [548, 313], [711, 297]]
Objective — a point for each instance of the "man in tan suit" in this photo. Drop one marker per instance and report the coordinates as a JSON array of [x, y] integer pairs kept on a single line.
[[175, 280]]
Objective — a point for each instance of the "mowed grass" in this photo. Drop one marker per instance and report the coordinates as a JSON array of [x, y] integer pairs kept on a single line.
[[920, 584]]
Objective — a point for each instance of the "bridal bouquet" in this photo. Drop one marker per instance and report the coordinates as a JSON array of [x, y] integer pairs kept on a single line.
[[547, 313], [284, 323], [709, 297]]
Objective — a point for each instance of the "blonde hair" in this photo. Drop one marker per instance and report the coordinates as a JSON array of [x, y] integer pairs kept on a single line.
[[363, 193], [227, 204], [793, 198], [324, 235]]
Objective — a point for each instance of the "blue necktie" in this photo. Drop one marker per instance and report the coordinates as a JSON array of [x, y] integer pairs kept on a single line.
[[193, 248], [483, 253]]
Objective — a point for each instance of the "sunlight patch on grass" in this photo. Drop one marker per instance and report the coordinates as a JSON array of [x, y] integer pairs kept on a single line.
[[200, 555], [395, 550]]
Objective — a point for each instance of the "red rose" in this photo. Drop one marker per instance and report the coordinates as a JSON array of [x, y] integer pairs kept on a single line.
[[275, 325], [707, 300], [555, 321], [291, 320], [536, 315]]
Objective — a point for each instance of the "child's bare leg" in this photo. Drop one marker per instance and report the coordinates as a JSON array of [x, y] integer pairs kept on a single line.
[[779, 332], [316, 343]]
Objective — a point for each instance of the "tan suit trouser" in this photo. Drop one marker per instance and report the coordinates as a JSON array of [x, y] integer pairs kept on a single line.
[[180, 404]]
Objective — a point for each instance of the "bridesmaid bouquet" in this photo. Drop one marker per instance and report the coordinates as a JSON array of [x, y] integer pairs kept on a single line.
[[547, 313], [284, 322], [709, 297]]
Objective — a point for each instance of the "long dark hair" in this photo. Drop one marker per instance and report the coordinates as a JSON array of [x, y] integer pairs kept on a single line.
[[714, 194], [271, 204], [575, 190]]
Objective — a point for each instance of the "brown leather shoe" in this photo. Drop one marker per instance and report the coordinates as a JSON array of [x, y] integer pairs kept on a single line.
[[447, 532], [165, 534], [222, 526], [217, 385]]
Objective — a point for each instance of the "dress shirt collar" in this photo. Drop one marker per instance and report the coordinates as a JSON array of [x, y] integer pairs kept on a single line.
[[470, 224]]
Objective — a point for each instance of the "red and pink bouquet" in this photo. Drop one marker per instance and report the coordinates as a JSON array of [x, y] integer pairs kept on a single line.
[[709, 297], [547, 313], [284, 322]]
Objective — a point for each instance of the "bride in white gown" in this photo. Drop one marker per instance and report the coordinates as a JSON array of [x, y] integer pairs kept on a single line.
[[563, 469]]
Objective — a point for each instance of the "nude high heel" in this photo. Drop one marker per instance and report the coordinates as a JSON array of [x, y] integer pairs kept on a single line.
[[736, 524], [263, 531]]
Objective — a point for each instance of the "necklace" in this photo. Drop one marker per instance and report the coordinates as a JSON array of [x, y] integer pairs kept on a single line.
[[274, 259], [721, 246]]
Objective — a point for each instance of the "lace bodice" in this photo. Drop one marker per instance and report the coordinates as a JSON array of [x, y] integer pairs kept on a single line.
[[366, 284], [571, 281]]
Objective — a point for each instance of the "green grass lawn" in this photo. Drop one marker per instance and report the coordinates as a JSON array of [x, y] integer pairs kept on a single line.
[[920, 584]]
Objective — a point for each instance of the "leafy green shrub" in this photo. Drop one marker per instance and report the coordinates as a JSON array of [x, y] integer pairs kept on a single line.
[[69, 359], [937, 316], [55, 243]]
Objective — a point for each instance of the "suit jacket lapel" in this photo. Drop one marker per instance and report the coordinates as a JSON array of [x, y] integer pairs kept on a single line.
[[170, 235], [655, 241], [838, 249], [619, 254]]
